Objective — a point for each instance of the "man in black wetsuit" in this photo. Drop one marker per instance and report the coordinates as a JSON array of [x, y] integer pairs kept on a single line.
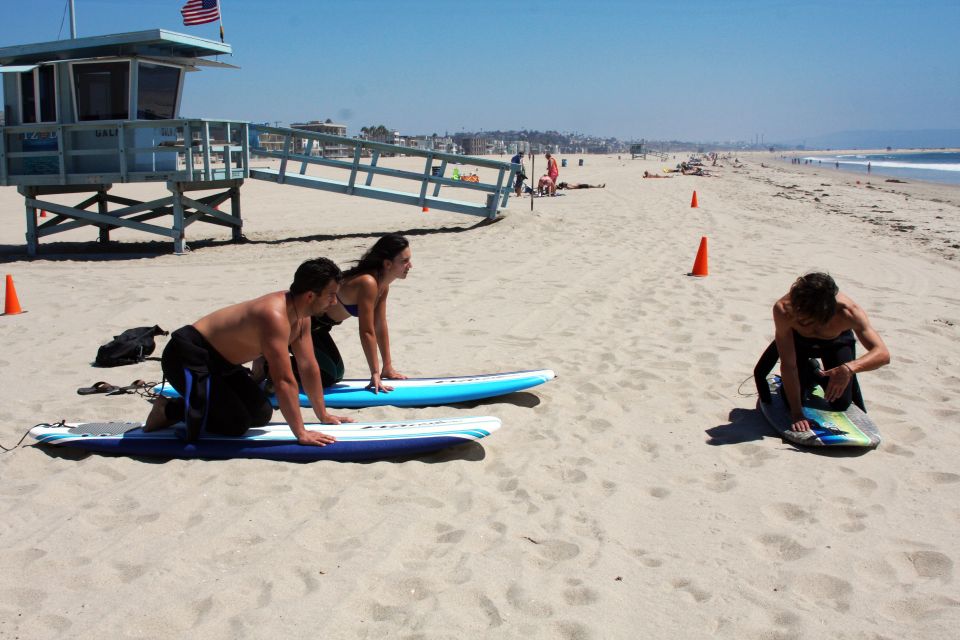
[[815, 320], [203, 361]]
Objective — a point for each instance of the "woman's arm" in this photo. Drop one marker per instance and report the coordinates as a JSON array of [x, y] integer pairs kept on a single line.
[[383, 338], [367, 308]]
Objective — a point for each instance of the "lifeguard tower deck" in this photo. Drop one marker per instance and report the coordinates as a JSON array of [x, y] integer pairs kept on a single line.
[[84, 114]]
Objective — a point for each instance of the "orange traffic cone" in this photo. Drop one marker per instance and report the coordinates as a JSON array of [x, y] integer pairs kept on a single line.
[[11, 305], [700, 264], [693, 202], [426, 209]]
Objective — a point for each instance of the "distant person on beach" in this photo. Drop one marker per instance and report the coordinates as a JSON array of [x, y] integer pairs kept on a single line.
[[579, 185], [203, 361], [553, 171], [521, 174], [647, 174], [363, 295], [815, 320], [546, 187]]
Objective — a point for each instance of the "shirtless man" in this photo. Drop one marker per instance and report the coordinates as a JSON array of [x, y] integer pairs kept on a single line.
[[203, 361], [545, 186], [815, 320]]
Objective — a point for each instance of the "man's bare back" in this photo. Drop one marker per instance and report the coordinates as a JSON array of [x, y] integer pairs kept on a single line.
[[237, 331]]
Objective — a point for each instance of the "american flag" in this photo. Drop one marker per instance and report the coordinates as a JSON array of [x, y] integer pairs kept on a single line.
[[200, 12]]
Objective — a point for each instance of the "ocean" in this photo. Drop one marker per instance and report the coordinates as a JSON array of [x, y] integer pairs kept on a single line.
[[934, 166]]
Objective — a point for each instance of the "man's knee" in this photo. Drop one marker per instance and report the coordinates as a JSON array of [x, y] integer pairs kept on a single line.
[[262, 415], [842, 403]]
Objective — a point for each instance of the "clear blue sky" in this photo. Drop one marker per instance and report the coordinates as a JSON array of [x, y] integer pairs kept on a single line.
[[695, 70]]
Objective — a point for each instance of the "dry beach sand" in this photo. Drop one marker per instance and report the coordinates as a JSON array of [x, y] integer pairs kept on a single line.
[[638, 495]]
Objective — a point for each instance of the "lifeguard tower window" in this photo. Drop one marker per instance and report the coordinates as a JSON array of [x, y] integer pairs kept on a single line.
[[102, 90], [38, 95], [157, 92]]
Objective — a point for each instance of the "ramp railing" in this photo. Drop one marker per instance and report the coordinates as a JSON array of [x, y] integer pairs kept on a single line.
[[352, 166]]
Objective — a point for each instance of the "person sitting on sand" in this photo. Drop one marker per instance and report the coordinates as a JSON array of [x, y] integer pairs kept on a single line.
[[815, 320], [647, 174], [580, 185], [545, 186], [203, 361]]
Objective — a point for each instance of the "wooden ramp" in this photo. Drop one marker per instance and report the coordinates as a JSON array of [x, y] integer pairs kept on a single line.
[[356, 164]]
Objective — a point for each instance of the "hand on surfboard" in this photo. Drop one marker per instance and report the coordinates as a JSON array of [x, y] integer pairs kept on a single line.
[[315, 438], [376, 384], [802, 424]]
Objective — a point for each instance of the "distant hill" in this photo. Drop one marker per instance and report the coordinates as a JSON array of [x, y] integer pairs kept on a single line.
[[921, 138]]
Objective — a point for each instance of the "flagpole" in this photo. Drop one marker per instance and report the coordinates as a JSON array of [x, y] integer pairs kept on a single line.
[[73, 22], [533, 174], [221, 19]]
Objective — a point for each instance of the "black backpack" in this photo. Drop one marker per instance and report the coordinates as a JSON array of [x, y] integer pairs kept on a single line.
[[130, 347]]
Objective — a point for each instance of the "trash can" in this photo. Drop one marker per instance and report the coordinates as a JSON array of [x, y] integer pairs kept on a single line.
[[581, 162], [563, 162]]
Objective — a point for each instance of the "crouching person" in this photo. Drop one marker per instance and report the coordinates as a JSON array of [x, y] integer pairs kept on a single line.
[[204, 361]]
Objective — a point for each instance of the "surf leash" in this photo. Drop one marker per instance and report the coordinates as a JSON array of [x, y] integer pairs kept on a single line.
[[27, 432]]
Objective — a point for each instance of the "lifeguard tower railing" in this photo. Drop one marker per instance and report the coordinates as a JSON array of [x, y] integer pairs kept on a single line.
[[193, 154], [188, 154], [355, 171]]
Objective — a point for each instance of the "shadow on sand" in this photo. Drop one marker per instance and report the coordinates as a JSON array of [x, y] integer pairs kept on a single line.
[[93, 250], [749, 425]]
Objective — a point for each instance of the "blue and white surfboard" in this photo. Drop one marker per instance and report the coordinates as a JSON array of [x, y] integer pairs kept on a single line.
[[355, 441], [421, 392]]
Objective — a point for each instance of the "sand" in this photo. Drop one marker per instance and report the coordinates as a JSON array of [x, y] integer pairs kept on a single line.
[[638, 495]]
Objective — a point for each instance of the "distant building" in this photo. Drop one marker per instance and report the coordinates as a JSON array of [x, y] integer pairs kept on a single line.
[[474, 146], [325, 150], [270, 141], [518, 145]]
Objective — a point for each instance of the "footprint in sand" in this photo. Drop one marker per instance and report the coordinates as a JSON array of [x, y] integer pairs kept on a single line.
[[580, 596], [790, 512], [490, 610], [779, 547], [451, 537], [922, 608], [932, 564], [519, 599], [824, 590], [720, 482], [943, 477], [897, 450], [698, 595], [754, 455], [646, 560]]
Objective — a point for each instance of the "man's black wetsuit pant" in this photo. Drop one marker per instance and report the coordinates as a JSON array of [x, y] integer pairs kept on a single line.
[[833, 353], [216, 395], [325, 349]]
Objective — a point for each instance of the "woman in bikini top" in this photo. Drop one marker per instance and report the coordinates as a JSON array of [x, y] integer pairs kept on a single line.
[[363, 295]]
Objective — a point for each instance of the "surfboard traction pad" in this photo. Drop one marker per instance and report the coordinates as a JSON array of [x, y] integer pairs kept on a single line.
[[850, 428], [104, 428]]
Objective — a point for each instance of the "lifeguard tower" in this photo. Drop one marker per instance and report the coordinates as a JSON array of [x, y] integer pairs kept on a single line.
[[84, 114]]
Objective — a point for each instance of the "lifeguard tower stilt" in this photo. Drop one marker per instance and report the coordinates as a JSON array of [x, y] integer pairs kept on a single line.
[[87, 113]]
